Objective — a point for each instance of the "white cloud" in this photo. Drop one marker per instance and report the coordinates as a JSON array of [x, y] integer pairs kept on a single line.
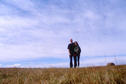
[[20, 52], [13, 65], [107, 48], [43, 65], [101, 61], [15, 22], [91, 15], [0, 65], [22, 4]]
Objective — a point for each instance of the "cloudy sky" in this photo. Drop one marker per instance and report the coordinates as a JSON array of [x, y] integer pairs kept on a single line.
[[36, 33]]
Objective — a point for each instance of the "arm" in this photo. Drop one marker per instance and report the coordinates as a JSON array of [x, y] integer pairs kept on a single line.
[[79, 49], [68, 49], [69, 52]]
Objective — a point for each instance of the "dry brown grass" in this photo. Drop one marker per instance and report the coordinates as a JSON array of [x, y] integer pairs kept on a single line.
[[90, 75]]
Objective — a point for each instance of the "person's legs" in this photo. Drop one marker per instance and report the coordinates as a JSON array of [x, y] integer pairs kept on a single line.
[[75, 61], [71, 63], [78, 60]]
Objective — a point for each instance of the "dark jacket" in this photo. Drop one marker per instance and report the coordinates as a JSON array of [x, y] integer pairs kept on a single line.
[[71, 48], [77, 50]]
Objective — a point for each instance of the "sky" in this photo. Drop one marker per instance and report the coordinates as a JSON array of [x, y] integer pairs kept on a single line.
[[36, 33]]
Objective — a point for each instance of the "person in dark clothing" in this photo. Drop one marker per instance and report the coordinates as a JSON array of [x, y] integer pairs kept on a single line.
[[77, 51], [71, 53]]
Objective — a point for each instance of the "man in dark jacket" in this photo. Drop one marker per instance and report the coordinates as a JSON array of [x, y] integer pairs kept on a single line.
[[71, 53]]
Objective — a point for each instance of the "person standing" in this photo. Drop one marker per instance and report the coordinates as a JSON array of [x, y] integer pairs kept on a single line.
[[71, 52], [77, 51]]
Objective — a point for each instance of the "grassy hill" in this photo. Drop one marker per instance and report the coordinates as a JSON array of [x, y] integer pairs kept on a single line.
[[89, 75]]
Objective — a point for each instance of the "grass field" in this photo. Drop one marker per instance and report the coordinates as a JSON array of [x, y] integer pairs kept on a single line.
[[89, 75]]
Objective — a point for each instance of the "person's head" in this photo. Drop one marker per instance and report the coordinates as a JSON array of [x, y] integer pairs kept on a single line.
[[71, 40], [75, 43]]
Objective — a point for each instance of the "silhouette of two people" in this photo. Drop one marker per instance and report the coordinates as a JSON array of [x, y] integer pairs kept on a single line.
[[74, 53]]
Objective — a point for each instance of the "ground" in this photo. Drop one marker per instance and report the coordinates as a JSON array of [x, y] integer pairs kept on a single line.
[[87, 75]]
